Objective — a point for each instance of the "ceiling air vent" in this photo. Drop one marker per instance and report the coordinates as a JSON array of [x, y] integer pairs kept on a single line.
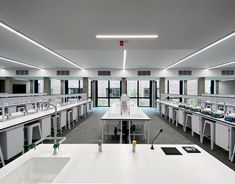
[[185, 72], [144, 73], [63, 72], [227, 72], [22, 72], [104, 73]]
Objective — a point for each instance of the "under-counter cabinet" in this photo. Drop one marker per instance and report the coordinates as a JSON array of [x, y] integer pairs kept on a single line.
[[181, 117], [12, 141], [46, 126], [170, 111], [222, 135], [196, 124]]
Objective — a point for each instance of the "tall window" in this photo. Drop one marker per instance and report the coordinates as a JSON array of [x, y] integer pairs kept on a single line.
[[207, 86], [55, 87], [89, 89], [40, 86], [108, 92], [174, 87], [132, 88], [192, 87], [102, 93], [144, 93], [75, 86], [139, 92], [114, 91]]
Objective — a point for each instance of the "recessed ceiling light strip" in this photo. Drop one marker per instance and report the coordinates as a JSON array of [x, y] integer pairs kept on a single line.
[[221, 65], [38, 44], [18, 62], [126, 36], [124, 60], [202, 50]]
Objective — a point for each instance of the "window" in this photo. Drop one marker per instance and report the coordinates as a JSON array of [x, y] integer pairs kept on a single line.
[[139, 92], [108, 92], [132, 91], [75, 86], [207, 86], [144, 93], [192, 87], [40, 86], [174, 87], [89, 88], [55, 87]]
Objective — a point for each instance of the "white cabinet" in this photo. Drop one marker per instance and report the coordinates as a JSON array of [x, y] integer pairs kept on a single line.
[[75, 113], [46, 126], [163, 109], [196, 124], [170, 113], [12, 142], [181, 117], [63, 119], [222, 135]]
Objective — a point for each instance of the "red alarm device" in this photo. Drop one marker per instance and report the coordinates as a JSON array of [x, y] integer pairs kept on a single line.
[[121, 43]]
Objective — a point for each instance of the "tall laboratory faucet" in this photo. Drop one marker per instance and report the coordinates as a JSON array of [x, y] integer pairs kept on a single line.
[[56, 144]]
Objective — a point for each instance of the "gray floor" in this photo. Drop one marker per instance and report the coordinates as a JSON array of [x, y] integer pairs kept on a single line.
[[89, 131]]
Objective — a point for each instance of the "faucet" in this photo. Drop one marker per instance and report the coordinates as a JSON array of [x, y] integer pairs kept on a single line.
[[56, 144], [23, 109]]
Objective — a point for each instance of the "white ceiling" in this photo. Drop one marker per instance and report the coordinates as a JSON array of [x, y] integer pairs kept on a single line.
[[69, 27]]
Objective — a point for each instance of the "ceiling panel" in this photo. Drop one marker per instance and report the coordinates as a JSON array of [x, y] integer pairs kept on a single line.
[[70, 26]]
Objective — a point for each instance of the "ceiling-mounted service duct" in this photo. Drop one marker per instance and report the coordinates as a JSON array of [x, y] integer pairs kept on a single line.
[[144, 73], [185, 72], [22, 72], [227, 72], [63, 72], [104, 73]]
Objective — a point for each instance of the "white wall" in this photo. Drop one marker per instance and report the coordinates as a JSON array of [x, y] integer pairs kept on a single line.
[[227, 87]]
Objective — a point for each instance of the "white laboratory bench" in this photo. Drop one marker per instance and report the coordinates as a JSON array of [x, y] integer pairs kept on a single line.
[[82, 163], [222, 132], [136, 116], [12, 130]]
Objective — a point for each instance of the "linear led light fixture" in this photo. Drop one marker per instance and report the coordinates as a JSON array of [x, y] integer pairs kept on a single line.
[[38, 44], [18, 62], [124, 60], [126, 36], [202, 50], [221, 65]]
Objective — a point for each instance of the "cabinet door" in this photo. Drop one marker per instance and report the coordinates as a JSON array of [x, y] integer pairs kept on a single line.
[[196, 124], [222, 135], [163, 109], [171, 112], [181, 117], [46, 126], [75, 113], [63, 119], [12, 142]]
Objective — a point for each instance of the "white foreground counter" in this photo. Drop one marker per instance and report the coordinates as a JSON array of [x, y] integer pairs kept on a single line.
[[117, 164]]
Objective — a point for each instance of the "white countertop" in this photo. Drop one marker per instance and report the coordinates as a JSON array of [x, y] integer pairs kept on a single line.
[[30, 117], [117, 164], [113, 113], [196, 113]]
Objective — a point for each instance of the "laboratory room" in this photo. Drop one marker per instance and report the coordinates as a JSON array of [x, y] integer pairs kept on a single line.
[[117, 91]]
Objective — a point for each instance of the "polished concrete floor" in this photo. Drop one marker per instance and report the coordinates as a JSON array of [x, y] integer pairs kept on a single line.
[[89, 131]]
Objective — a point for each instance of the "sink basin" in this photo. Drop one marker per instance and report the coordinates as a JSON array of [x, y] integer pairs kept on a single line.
[[36, 170]]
